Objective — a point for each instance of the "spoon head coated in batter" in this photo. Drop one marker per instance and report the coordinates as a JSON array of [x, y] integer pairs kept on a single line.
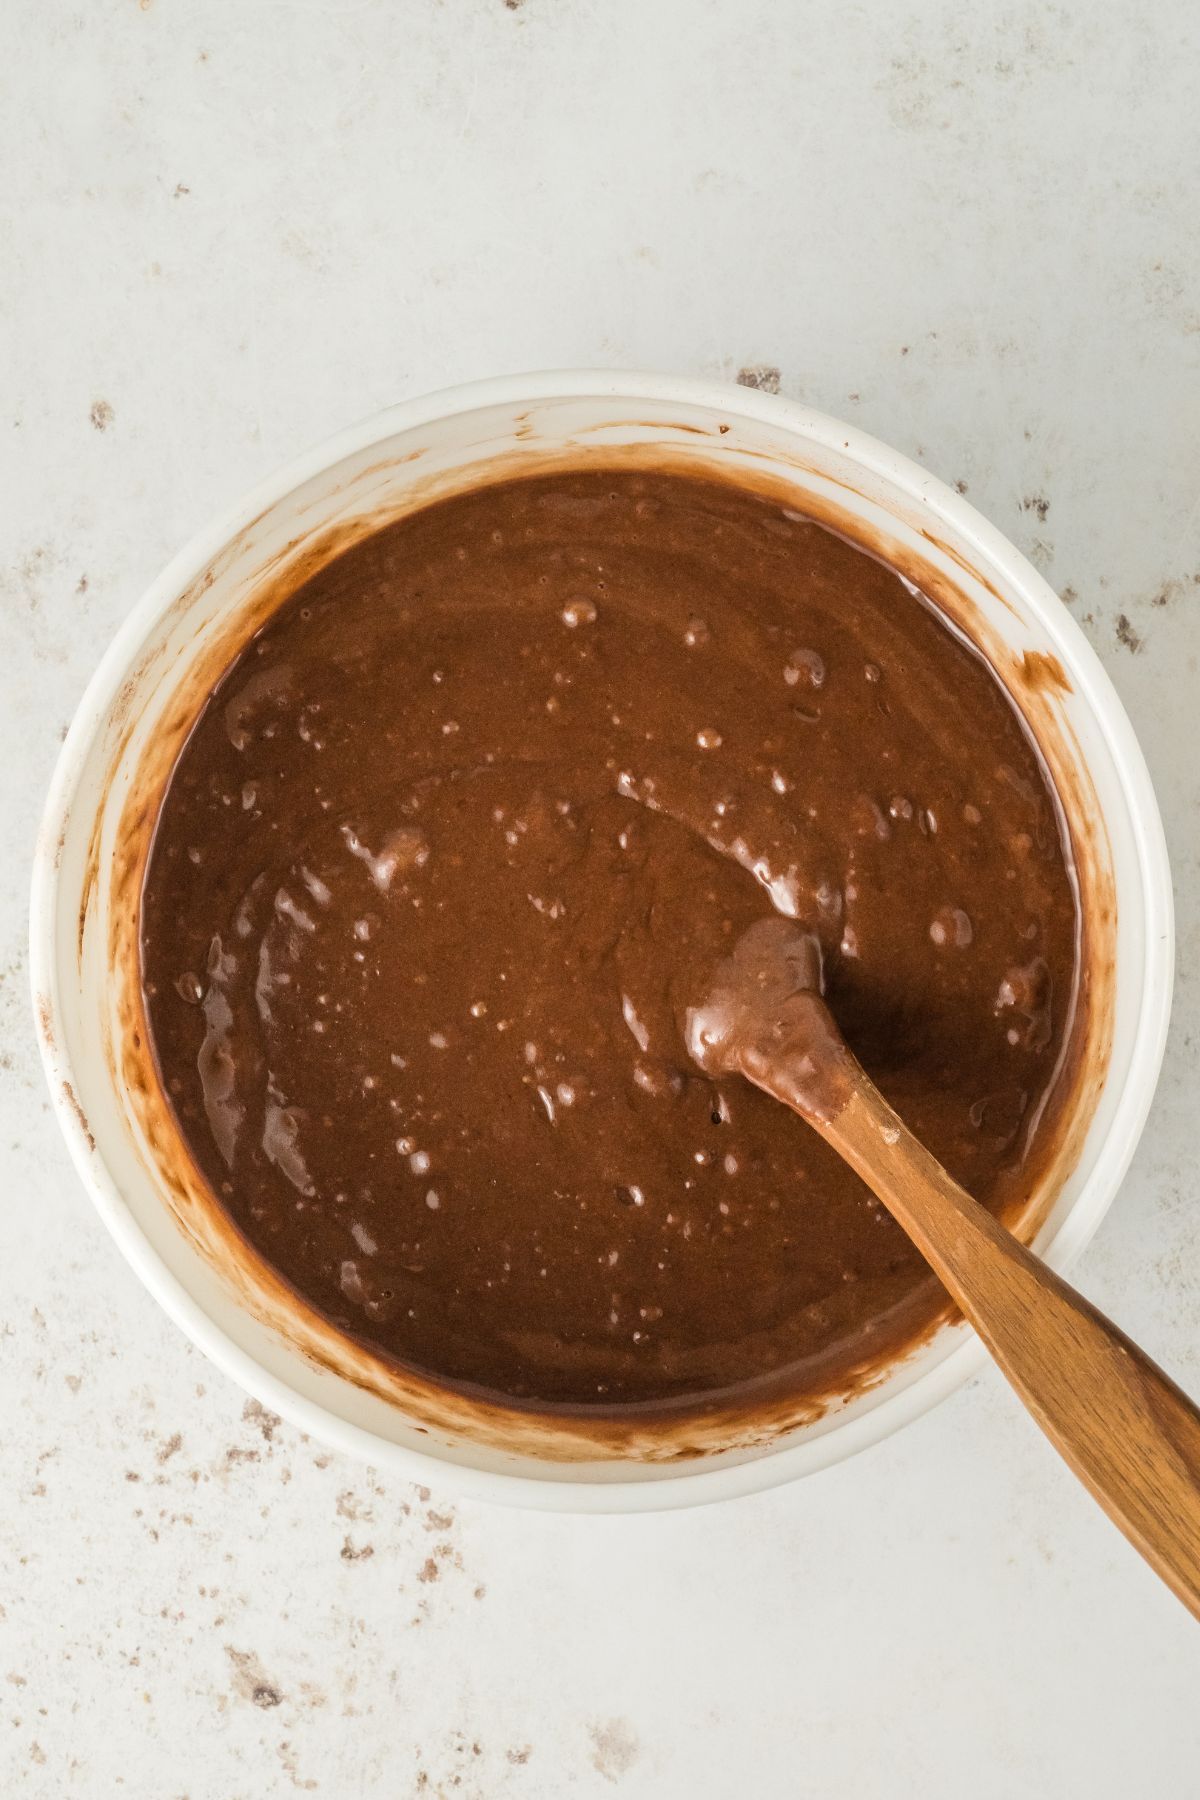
[[764, 1017]]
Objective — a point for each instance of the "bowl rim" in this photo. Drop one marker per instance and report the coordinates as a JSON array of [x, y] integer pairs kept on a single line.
[[787, 1462]]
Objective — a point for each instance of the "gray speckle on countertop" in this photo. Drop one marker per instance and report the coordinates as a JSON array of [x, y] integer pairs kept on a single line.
[[228, 231]]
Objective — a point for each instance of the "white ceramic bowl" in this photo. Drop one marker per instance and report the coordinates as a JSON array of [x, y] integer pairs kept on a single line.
[[84, 924]]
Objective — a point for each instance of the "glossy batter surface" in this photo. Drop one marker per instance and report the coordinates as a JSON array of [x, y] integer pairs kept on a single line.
[[450, 851]]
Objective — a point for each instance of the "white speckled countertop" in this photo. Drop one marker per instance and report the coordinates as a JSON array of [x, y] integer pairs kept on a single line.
[[228, 230]]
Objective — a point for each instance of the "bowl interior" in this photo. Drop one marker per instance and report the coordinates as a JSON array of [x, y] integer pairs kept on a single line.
[[144, 700]]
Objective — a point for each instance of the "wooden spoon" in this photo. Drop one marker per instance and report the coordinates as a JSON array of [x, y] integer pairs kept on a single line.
[[1128, 1432]]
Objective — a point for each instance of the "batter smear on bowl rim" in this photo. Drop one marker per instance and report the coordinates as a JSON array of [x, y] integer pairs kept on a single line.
[[443, 862]]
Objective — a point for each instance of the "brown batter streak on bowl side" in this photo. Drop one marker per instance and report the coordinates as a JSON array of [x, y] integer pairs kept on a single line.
[[72, 1101], [524, 1431], [91, 876], [1044, 673], [44, 1011]]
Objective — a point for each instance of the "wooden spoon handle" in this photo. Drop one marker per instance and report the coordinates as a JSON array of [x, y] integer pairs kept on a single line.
[[1128, 1432]]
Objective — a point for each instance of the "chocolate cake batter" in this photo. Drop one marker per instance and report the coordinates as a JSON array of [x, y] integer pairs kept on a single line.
[[456, 842]]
